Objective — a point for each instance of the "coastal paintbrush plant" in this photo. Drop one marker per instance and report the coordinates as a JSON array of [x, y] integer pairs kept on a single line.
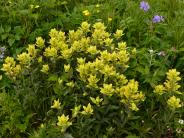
[[86, 69], [90, 56]]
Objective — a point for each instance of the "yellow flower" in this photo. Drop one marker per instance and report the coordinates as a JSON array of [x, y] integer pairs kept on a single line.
[[70, 84], [118, 34], [56, 104], [50, 52], [92, 50], [76, 110], [87, 110], [45, 68], [31, 50], [172, 74], [66, 54], [159, 89], [67, 68], [110, 19], [37, 6], [133, 107], [174, 102], [93, 80], [171, 83], [99, 26], [40, 59], [96, 100], [63, 122], [10, 60], [86, 13], [122, 45], [24, 58], [97, 6], [60, 81], [10, 68], [42, 125], [53, 33], [107, 89], [40, 42], [17, 70], [85, 26]]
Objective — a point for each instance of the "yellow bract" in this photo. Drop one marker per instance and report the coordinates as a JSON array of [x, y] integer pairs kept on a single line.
[[86, 13], [87, 110], [50, 52], [159, 89], [32, 51], [171, 84], [85, 27], [56, 104], [40, 42], [118, 34], [45, 68], [24, 58], [10, 68], [76, 110], [109, 19], [130, 94], [174, 102], [67, 68], [63, 122], [96, 100], [107, 89]]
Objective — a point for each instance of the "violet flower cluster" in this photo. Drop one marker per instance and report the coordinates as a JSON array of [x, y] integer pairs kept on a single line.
[[145, 6], [157, 19]]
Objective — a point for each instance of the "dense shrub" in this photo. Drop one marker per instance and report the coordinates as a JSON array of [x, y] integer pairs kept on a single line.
[[76, 82], [118, 75]]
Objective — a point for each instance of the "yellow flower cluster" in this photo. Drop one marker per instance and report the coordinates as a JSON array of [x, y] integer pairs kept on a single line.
[[40, 42], [96, 100], [99, 61], [24, 58], [130, 94], [76, 111], [174, 102], [86, 13], [171, 84], [45, 68], [10, 68], [170, 87], [88, 110], [63, 122], [107, 89]]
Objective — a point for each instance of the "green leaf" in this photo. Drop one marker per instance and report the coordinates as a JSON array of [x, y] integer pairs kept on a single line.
[[132, 136], [4, 36], [53, 77], [11, 41], [1, 30]]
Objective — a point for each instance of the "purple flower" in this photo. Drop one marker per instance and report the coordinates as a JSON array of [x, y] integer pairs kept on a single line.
[[2, 52], [144, 5], [157, 19]]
